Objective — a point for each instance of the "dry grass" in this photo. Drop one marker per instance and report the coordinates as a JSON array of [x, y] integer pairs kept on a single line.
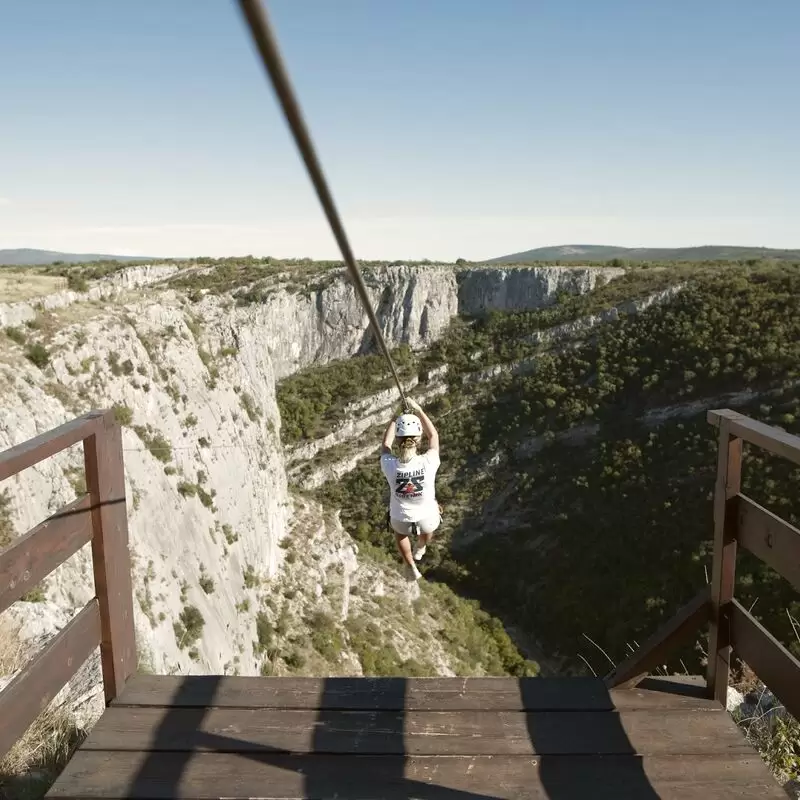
[[17, 286], [36, 760], [12, 652]]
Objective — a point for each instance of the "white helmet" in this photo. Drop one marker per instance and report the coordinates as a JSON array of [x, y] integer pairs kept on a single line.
[[408, 425]]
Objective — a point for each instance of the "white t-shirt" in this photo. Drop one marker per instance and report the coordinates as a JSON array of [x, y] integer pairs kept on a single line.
[[413, 495]]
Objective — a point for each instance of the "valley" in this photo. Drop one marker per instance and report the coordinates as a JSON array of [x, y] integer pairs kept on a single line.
[[577, 464]]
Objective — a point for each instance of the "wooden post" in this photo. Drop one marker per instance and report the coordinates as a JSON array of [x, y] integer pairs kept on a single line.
[[723, 573], [105, 482]]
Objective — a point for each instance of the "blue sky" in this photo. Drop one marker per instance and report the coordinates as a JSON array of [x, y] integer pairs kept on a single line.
[[447, 128]]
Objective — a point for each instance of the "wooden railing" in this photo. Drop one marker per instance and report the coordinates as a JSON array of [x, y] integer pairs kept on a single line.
[[738, 520], [99, 517]]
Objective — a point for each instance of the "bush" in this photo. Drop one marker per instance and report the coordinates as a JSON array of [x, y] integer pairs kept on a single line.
[[264, 631], [158, 446], [251, 580], [230, 536], [16, 335], [326, 638], [37, 354], [189, 626], [249, 405], [123, 414], [295, 660]]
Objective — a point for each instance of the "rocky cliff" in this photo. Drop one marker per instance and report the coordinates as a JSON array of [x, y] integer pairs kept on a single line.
[[193, 382]]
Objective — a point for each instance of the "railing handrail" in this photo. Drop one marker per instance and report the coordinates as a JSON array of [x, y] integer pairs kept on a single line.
[[771, 438], [30, 452], [738, 520], [99, 517]]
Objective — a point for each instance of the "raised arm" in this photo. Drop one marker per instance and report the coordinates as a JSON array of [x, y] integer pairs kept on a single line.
[[427, 426], [388, 438]]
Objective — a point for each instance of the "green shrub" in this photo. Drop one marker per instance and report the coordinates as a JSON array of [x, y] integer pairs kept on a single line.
[[326, 638], [123, 414], [312, 400], [230, 536], [77, 283], [16, 335], [264, 631], [295, 660], [158, 446], [189, 626], [249, 405], [37, 354], [251, 580]]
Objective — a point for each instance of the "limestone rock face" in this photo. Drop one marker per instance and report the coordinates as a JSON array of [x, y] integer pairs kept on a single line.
[[524, 288]]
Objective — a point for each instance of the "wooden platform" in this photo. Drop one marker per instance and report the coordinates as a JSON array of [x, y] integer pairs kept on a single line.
[[433, 739]]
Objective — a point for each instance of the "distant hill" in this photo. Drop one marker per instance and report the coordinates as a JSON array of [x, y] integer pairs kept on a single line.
[[29, 257], [596, 252]]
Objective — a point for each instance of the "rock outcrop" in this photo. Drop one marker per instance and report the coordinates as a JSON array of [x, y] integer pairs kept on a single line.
[[524, 288]]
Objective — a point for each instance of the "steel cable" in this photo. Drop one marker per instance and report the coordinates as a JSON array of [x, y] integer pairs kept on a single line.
[[258, 21]]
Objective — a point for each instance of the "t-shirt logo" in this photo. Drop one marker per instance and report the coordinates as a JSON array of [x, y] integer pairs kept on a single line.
[[409, 485]]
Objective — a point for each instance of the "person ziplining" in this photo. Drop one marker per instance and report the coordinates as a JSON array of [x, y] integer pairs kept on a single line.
[[411, 475]]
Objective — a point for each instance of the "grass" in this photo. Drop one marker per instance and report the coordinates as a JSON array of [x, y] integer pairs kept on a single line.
[[19, 286], [7, 532], [12, 651], [36, 759]]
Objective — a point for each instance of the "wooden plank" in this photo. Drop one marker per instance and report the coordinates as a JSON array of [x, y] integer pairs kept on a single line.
[[32, 557], [417, 732], [768, 658], [40, 681], [676, 631], [772, 539], [767, 436], [723, 569], [398, 694], [30, 452], [105, 480], [208, 776]]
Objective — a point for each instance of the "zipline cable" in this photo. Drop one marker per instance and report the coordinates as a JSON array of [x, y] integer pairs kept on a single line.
[[261, 30]]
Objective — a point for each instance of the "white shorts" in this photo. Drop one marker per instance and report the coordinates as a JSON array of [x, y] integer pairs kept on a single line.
[[426, 525]]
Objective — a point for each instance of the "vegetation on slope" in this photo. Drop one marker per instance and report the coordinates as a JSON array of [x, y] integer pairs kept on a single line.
[[312, 400], [609, 538]]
